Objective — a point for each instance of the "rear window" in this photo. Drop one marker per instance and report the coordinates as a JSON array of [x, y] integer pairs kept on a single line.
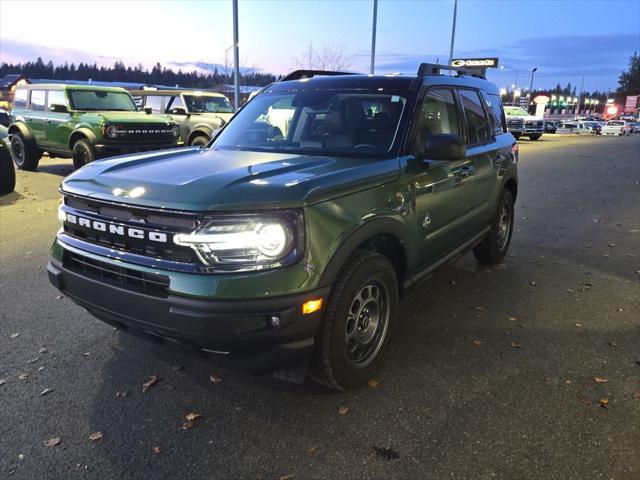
[[496, 114], [476, 120], [38, 100], [616, 124], [20, 98]]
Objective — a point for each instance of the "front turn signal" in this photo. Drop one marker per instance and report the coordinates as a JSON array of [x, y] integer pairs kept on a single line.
[[311, 306]]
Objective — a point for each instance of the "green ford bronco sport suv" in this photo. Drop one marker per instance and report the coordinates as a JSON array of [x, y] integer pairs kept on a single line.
[[286, 247], [84, 122], [199, 114]]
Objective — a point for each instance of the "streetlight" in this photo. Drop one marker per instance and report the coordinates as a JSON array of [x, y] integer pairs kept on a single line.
[[373, 37], [453, 30], [236, 57], [516, 94], [531, 83]]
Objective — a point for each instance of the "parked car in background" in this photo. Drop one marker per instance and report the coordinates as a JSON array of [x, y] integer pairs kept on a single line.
[[575, 127], [596, 128], [83, 122], [617, 127], [550, 126], [7, 171], [635, 127], [520, 123], [199, 114]]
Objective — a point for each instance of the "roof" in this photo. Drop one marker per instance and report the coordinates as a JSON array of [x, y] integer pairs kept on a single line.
[[174, 91], [128, 85], [61, 85], [8, 80]]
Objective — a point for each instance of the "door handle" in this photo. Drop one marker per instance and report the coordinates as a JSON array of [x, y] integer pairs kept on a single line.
[[465, 171]]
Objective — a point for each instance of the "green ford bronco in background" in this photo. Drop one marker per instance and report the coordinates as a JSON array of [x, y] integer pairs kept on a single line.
[[199, 114], [84, 122], [286, 247]]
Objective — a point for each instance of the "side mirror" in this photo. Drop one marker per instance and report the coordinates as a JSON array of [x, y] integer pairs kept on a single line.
[[58, 108], [178, 111], [148, 110], [444, 147]]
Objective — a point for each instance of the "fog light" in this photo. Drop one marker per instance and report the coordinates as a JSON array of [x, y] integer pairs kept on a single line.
[[275, 321], [311, 306]]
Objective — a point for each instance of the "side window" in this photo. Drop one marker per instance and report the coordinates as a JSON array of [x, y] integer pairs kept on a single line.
[[176, 102], [155, 103], [438, 115], [56, 97], [496, 114], [20, 98], [477, 124], [38, 100]]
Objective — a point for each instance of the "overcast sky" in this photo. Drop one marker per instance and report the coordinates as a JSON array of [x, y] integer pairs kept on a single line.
[[564, 39]]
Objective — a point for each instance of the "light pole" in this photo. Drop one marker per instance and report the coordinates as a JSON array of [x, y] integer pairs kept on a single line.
[[531, 84], [373, 37], [515, 83], [236, 58], [453, 30]]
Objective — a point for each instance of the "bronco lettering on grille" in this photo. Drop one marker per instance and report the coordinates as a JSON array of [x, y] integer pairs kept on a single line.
[[114, 229]]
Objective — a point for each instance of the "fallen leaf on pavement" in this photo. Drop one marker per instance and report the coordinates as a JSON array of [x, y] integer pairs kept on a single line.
[[516, 345], [192, 416], [604, 402], [513, 319], [567, 381], [153, 379], [46, 391], [636, 396], [33, 360], [40, 369], [156, 450], [43, 350], [23, 376], [95, 436], [476, 308], [343, 410], [613, 344], [215, 379], [533, 284], [373, 383], [287, 477], [599, 379], [86, 354], [14, 335], [122, 394], [52, 442], [2, 381], [58, 297], [579, 325], [311, 450]]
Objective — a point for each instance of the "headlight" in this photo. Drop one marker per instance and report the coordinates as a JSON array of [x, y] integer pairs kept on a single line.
[[112, 131], [175, 130], [250, 242]]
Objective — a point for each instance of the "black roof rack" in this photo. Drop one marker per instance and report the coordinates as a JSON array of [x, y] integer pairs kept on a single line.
[[300, 74], [434, 69]]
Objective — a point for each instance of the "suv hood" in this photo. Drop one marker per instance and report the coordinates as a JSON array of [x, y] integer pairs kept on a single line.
[[133, 117], [202, 179]]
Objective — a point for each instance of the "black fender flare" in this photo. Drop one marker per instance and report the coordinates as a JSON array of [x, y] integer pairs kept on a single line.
[[385, 225], [199, 130], [22, 129], [82, 132]]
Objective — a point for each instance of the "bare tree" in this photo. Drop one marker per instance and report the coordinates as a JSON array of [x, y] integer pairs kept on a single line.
[[329, 57]]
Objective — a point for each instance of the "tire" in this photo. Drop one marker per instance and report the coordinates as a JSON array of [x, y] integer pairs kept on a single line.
[[535, 136], [7, 172], [25, 156], [495, 246], [516, 135], [83, 153], [360, 317], [199, 141]]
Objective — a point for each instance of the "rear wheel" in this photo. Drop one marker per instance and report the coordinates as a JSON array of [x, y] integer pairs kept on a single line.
[[535, 136], [83, 153], [25, 155], [359, 319], [199, 141], [517, 135], [495, 246]]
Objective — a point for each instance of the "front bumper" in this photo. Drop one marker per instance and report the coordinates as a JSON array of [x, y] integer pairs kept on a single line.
[[112, 148], [237, 334]]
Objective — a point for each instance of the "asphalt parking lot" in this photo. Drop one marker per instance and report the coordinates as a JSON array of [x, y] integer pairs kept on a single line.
[[526, 370]]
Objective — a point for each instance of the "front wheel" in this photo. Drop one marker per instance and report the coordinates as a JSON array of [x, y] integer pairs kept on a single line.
[[359, 319], [83, 153], [199, 141], [535, 136], [516, 135], [495, 246], [7, 172]]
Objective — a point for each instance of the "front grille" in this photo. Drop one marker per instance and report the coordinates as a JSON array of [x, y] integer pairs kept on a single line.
[[533, 123], [515, 123], [150, 284], [126, 218], [145, 133]]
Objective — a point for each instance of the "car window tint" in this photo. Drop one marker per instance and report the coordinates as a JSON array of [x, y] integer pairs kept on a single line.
[[56, 97], [20, 98], [37, 99], [477, 124], [438, 115], [175, 103], [496, 114]]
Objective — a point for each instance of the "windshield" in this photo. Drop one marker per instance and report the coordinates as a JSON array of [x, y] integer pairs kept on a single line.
[[102, 100], [615, 124], [316, 123], [515, 112], [207, 104]]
